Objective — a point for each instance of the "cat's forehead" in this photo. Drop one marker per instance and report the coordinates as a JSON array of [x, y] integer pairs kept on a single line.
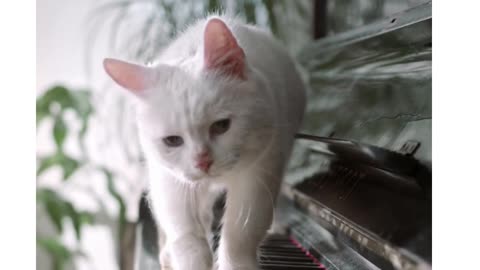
[[182, 93], [190, 103]]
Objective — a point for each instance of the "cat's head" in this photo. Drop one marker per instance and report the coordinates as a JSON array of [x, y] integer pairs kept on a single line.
[[198, 125]]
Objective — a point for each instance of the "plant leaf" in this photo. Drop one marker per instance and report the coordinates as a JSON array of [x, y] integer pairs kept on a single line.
[[59, 132], [56, 94], [54, 206], [58, 209], [79, 219], [272, 20], [82, 103], [42, 111], [122, 219], [213, 6], [249, 8], [46, 163], [58, 252], [68, 164]]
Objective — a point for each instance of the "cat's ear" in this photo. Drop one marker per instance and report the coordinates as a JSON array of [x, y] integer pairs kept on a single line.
[[130, 76], [221, 50]]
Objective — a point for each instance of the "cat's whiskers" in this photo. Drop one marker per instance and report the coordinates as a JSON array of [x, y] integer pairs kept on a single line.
[[264, 185], [226, 163], [262, 154], [192, 199], [184, 191], [239, 215], [248, 217]]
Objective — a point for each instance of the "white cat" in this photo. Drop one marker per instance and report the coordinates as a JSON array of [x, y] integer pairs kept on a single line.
[[218, 111]]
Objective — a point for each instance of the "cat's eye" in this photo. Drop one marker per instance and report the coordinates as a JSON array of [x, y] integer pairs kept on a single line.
[[220, 127], [173, 141]]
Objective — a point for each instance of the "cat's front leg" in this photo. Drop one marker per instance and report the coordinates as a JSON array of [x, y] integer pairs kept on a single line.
[[190, 252], [248, 216], [177, 210]]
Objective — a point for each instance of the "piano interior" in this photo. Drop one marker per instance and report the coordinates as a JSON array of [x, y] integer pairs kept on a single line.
[[357, 193]]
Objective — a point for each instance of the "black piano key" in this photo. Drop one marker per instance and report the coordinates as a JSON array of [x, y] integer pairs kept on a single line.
[[285, 253], [279, 252], [289, 245], [277, 245], [287, 266], [309, 264], [281, 249], [280, 258]]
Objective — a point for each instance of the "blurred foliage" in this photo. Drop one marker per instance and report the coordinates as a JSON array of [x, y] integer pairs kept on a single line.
[[56, 101], [60, 254], [58, 209], [122, 212], [162, 19], [53, 105]]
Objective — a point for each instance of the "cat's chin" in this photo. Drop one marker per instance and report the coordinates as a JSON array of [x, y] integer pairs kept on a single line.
[[195, 178], [201, 177]]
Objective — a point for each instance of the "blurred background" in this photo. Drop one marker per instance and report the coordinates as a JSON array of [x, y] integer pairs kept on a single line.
[[90, 175]]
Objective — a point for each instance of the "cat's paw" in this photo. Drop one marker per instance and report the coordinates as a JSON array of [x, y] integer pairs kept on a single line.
[[165, 263], [190, 252]]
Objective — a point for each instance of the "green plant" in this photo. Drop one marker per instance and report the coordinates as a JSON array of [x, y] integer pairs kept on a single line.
[[53, 105], [57, 209]]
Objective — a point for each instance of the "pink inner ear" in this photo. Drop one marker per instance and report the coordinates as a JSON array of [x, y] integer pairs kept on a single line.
[[133, 77], [221, 50]]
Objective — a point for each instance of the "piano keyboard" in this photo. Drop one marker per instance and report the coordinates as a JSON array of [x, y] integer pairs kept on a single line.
[[280, 252]]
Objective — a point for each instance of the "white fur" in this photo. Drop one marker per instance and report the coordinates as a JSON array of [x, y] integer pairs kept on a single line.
[[266, 111]]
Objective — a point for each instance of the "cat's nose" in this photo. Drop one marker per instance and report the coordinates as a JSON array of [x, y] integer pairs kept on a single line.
[[204, 161], [204, 164]]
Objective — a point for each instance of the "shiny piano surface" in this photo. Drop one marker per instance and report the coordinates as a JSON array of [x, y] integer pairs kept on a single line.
[[358, 206]]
